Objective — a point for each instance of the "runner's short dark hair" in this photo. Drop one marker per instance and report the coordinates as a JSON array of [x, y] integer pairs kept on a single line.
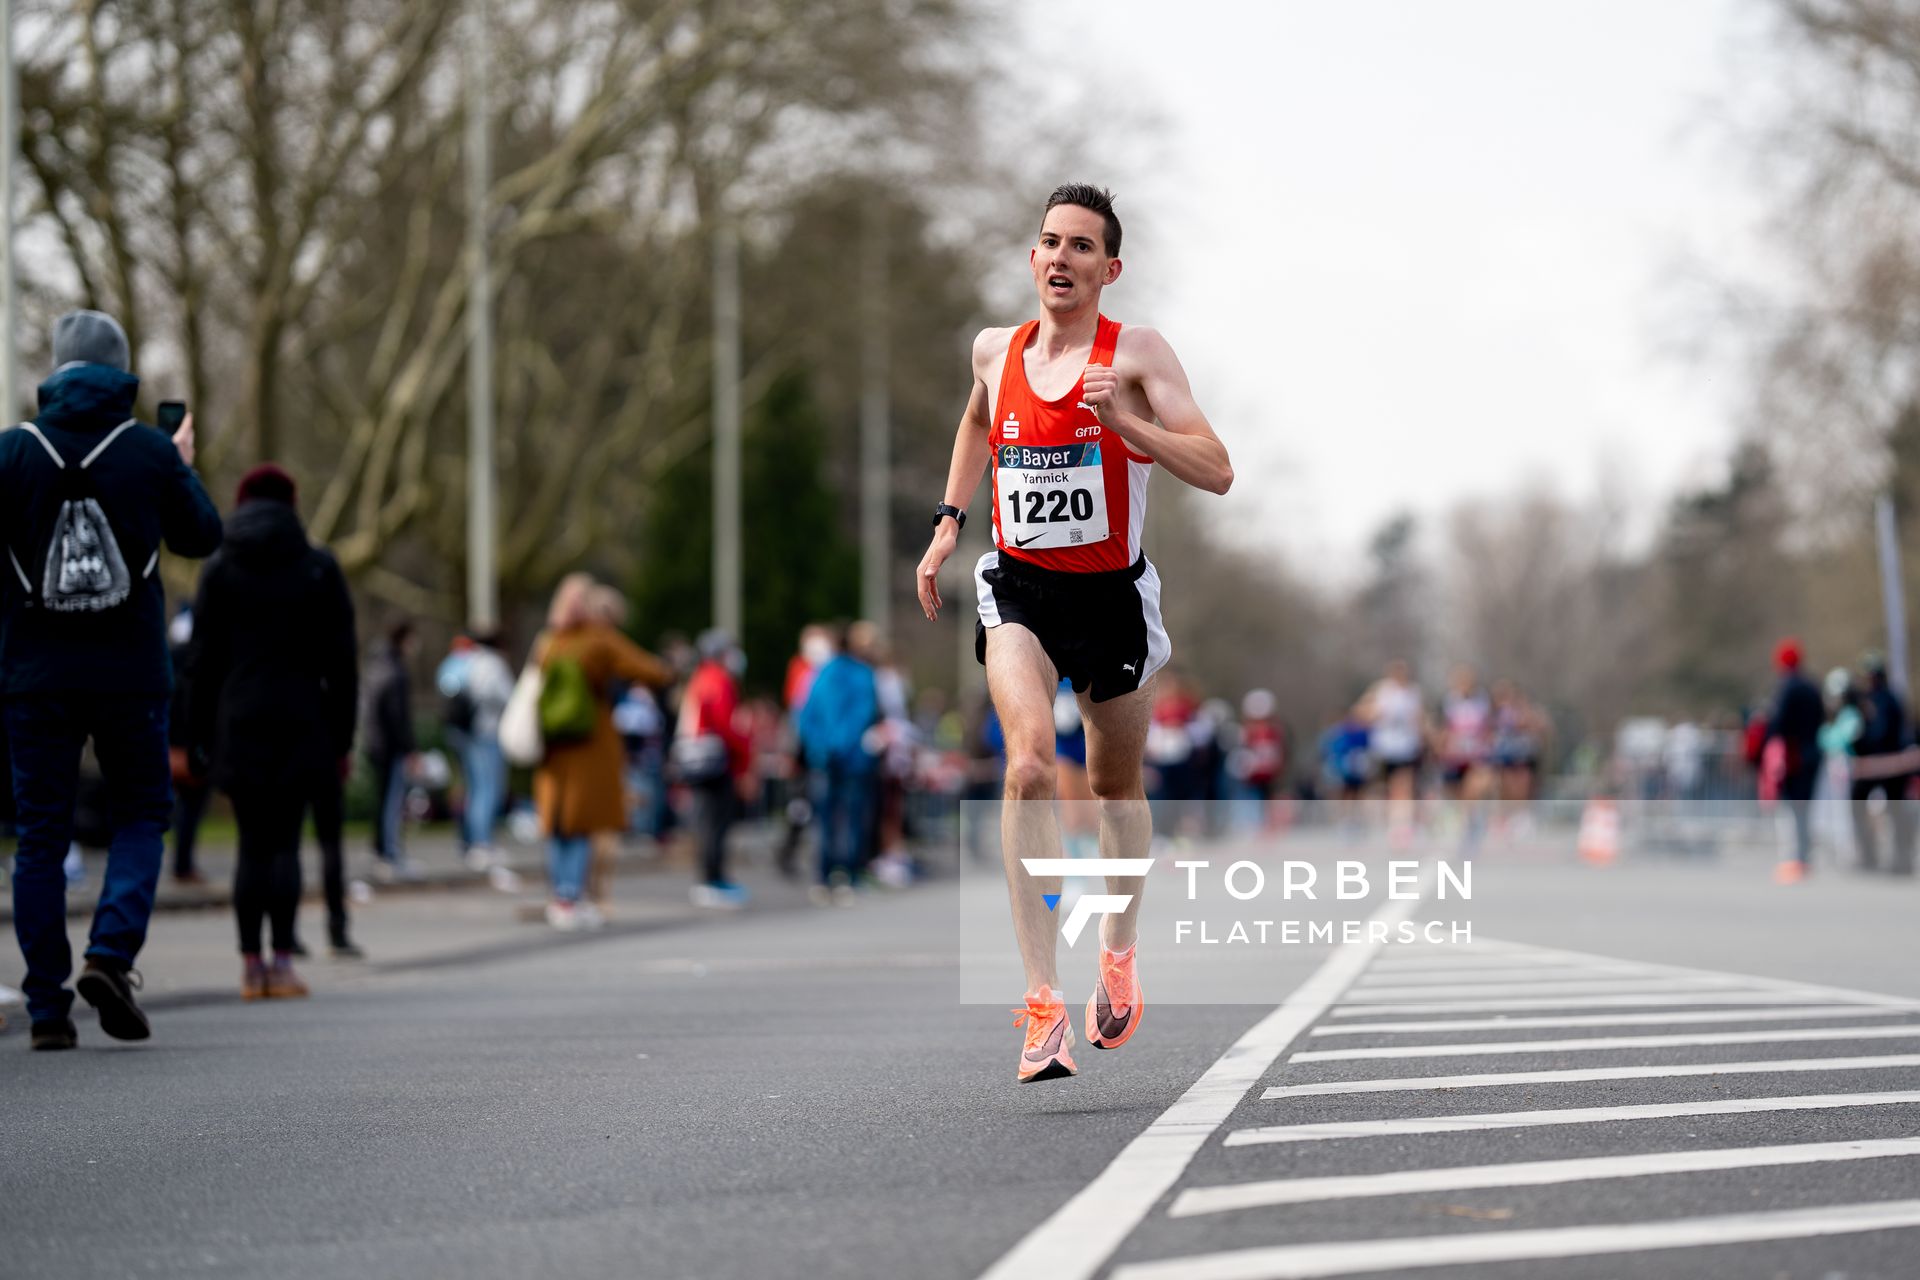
[[1085, 195]]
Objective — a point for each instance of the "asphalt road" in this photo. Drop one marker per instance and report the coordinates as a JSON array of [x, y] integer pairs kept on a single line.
[[795, 1091]]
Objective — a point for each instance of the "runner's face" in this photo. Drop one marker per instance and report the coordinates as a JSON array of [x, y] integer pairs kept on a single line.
[[1070, 263]]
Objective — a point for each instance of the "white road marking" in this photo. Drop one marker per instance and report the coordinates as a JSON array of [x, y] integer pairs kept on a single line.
[[1567, 1115], [1547, 987], [1533, 1173], [1650, 1000], [1492, 1079], [1532, 973], [1603, 1044], [1310, 1260], [1780, 984], [1077, 1239], [1613, 1020], [1428, 962]]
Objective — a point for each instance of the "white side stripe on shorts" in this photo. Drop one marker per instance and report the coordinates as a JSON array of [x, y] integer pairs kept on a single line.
[[983, 594]]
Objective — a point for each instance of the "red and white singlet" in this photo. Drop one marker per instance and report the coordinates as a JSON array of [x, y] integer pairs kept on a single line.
[[1068, 494]]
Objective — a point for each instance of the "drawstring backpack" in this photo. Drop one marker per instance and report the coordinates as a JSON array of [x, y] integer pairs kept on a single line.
[[84, 572]]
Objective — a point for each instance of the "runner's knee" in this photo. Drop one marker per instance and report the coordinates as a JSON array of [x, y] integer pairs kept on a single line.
[[1029, 777], [1116, 785]]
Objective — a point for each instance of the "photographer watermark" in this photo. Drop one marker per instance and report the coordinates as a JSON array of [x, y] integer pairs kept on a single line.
[[1245, 880]]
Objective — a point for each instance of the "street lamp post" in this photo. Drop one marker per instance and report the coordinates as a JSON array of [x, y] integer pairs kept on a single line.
[[483, 588], [875, 428], [9, 146], [726, 427]]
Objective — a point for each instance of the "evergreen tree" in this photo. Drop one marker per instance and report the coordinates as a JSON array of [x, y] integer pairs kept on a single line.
[[800, 564]]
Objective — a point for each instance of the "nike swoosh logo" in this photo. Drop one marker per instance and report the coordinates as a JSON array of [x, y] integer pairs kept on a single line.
[[1052, 1046], [1110, 1026], [1021, 542]]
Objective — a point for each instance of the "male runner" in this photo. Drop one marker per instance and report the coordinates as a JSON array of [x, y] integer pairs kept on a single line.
[[1072, 411]]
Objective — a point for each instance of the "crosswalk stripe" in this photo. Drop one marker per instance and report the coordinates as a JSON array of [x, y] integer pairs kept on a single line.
[[1533, 1173], [1614, 1020], [1436, 957], [1533, 973], [1571, 1075], [1346, 1258], [1538, 987], [1604, 1044], [1806, 990], [1652, 999], [1567, 1115]]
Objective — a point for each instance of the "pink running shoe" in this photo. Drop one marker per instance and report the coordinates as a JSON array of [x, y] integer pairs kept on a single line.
[[1113, 1011], [1045, 1055]]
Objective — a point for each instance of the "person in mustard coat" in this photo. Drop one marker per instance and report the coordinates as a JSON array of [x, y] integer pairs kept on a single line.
[[577, 788]]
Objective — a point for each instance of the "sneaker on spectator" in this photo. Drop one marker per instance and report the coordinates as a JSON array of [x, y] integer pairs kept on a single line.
[[54, 1033], [722, 895]]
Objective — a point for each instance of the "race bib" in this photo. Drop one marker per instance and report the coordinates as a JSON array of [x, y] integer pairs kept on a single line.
[[1052, 497]]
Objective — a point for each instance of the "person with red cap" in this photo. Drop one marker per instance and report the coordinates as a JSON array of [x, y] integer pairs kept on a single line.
[[275, 690], [1798, 712]]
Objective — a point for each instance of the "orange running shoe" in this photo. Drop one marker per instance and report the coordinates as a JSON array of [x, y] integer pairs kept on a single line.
[[1113, 1011], [1789, 873], [1049, 1037]]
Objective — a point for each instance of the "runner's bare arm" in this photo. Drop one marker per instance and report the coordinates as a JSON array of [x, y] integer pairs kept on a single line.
[[1181, 440], [971, 453]]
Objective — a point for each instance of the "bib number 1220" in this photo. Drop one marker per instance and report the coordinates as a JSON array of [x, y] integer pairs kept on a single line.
[[1052, 497], [1057, 506]]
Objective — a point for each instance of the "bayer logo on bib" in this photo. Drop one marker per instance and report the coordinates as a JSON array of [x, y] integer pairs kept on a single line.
[[1052, 497]]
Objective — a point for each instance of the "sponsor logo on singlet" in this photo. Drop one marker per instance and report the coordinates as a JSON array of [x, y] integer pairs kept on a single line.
[[1027, 458]]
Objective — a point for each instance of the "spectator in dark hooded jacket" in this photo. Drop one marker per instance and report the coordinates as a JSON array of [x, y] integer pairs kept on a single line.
[[1884, 733], [389, 744], [83, 653], [274, 696]]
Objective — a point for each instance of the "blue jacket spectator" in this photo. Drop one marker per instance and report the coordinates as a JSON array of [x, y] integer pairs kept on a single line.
[[841, 706]]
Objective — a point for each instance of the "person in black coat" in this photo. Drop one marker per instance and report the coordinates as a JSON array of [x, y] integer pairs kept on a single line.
[[1884, 733], [389, 746], [1798, 713], [274, 695]]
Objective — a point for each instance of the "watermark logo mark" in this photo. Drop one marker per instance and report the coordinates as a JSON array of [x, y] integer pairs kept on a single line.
[[1089, 905]]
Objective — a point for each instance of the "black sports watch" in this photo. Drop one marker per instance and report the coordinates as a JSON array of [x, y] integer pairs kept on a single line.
[[945, 509]]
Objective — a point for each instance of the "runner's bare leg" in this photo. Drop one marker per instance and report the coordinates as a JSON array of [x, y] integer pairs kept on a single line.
[[1116, 746], [1021, 679]]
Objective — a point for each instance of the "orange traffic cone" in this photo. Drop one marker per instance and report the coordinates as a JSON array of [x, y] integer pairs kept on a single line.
[[1599, 841]]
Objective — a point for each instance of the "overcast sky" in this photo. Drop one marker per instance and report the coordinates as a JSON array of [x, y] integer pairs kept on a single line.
[[1418, 251]]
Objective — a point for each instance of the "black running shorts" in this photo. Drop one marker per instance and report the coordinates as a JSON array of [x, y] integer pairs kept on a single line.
[[1102, 630]]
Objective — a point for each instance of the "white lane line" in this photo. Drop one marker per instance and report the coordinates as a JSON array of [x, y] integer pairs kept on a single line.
[[1614, 1020], [1078, 1238], [1572, 1075], [1657, 999], [1603, 1044], [1533, 1173], [1466, 959], [1548, 987], [1534, 973], [1292, 1262], [1565, 1115], [1811, 989]]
